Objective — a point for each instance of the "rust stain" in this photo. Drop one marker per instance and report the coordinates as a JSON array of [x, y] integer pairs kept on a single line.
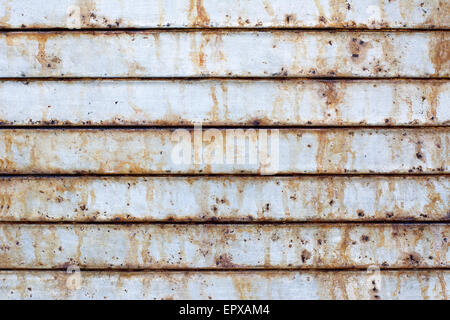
[[334, 97], [215, 107], [205, 44], [5, 202], [243, 288], [344, 244], [89, 18], [330, 13], [306, 255], [161, 12], [224, 88], [4, 20], [47, 62], [442, 282], [413, 258], [88, 14], [5, 161], [358, 49], [337, 243], [339, 13], [290, 19], [439, 15], [433, 100], [225, 261], [434, 199], [197, 14], [321, 154], [440, 54], [322, 16], [268, 8]]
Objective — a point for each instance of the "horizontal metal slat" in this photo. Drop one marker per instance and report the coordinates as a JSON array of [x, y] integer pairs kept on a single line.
[[224, 54], [226, 285], [156, 151], [217, 13], [225, 102], [201, 199], [156, 246]]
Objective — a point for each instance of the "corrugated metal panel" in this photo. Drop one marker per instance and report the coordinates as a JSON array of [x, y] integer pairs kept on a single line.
[[158, 82], [219, 13], [124, 151], [211, 102], [200, 199], [224, 54], [224, 246], [226, 285]]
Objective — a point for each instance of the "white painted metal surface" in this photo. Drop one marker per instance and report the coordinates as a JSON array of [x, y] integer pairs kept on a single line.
[[224, 54], [227, 285], [225, 246], [228, 238], [156, 151], [225, 102], [219, 13], [247, 199]]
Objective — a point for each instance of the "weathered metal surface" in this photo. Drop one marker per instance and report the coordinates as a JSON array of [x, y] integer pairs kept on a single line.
[[153, 151], [210, 251], [200, 199], [224, 54], [226, 285], [224, 246], [218, 13], [225, 102]]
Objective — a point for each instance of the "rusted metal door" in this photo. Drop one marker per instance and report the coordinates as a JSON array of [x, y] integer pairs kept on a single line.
[[224, 149]]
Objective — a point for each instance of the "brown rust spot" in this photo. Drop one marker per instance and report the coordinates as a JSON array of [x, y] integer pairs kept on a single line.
[[413, 258], [334, 94], [306, 255], [374, 290], [88, 16], [331, 94], [290, 18], [358, 49], [321, 13], [225, 261]]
